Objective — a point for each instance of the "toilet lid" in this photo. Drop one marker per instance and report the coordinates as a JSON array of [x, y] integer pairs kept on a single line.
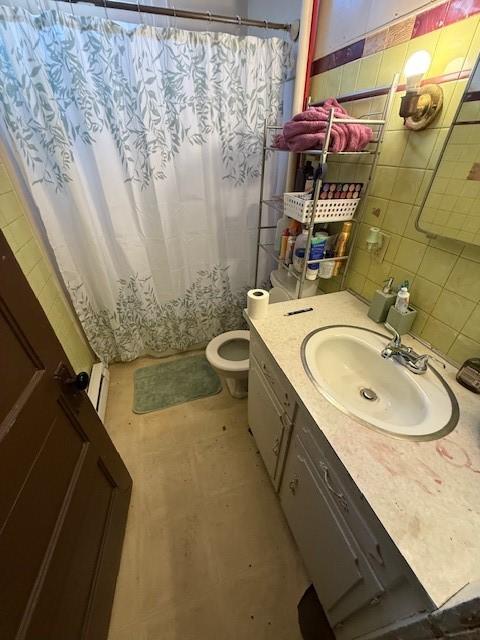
[[222, 363]]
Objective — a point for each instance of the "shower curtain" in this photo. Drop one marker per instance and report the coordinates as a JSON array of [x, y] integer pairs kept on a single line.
[[142, 149]]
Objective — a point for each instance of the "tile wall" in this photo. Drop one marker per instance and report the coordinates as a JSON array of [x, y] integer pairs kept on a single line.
[[444, 274], [20, 236]]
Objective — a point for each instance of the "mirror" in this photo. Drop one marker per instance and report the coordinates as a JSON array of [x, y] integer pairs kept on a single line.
[[451, 208]]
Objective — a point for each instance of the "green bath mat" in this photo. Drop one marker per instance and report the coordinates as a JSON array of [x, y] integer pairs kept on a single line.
[[169, 383]]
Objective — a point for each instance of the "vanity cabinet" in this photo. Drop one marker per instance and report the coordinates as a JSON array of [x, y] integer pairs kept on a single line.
[[360, 577], [271, 407], [342, 578]]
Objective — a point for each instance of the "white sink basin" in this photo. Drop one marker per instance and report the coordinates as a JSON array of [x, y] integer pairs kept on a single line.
[[345, 364]]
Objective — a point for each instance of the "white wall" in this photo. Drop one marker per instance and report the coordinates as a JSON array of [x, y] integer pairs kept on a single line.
[[274, 11], [344, 21]]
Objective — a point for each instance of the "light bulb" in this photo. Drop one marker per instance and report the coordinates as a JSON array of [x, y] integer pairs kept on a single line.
[[416, 67]]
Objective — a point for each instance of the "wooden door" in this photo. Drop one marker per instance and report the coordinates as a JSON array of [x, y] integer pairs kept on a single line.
[[64, 490]]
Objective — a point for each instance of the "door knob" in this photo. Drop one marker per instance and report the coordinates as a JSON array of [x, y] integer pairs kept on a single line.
[[78, 382]]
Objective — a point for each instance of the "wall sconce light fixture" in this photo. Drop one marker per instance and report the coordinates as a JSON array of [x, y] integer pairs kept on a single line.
[[421, 104]]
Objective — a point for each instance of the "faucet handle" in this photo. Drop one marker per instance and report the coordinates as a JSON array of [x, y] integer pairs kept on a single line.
[[397, 340]]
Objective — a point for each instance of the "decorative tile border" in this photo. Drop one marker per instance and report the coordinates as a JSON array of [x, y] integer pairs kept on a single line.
[[338, 58], [412, 27]]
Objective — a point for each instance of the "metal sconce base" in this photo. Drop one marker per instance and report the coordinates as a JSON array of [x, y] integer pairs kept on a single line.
[[421, 109]]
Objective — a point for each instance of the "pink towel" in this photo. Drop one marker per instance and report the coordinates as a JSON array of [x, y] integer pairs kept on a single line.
[[306, 130]]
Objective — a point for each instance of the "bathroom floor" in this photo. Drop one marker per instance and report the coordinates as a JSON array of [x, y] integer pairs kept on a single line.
[[207, 552]]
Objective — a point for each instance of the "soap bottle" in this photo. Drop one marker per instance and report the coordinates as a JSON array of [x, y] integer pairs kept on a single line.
[[382, 301], [403, 299]]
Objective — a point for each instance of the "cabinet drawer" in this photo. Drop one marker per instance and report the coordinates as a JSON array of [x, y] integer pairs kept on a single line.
[[273, 374], [343, 579], [267, 420]]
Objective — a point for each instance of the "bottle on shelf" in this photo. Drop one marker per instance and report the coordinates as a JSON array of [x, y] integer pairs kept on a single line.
[[282, 226], [317, 251], [304, 173], [341, 245], [299, 251], [289, 249]]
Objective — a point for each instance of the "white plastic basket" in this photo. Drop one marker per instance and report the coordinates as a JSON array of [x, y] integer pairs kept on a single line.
[[333, 210]]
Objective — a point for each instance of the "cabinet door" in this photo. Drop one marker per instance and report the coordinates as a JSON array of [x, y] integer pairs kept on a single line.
[[266, 418], [336, 566]]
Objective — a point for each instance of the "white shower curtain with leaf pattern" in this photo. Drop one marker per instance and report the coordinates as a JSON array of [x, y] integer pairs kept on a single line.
[[142, 149]]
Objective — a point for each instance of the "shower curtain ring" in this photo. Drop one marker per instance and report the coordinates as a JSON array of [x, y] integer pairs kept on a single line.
[[140, 17], [209, 13], [266, 24], [105, 7], [71, 8], [239, 20], [174, 16]]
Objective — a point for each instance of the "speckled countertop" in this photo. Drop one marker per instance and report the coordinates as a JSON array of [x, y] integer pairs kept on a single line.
[[426, 494]]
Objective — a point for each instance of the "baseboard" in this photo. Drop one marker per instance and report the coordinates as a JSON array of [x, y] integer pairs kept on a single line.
[[98, 388]]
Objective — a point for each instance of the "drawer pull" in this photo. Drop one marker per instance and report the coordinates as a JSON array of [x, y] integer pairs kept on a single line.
[[378, 557], [276, 446], [339, 496], [285, 420], [293, 484], [267, 374]]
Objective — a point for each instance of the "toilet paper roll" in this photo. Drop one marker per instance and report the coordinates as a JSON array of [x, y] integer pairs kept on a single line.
[[257, 303]]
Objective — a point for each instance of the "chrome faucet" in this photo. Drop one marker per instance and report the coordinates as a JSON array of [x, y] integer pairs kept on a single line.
[[406, 356]]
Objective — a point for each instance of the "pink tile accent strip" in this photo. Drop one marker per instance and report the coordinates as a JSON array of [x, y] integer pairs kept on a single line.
[[430, 20], [460, 9]]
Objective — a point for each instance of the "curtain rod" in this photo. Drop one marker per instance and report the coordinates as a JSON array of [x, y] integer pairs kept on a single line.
[[181, 13]]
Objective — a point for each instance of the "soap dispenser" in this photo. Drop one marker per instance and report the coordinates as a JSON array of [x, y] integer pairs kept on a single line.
[[382, 300]]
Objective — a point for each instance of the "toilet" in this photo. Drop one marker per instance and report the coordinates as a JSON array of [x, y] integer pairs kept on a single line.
[[228, 354]]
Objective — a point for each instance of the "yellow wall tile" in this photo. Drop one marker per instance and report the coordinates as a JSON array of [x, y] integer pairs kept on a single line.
[[368, 72], [348, 80], [393, 61], [393, 147], [472, 325], [5, 184], [439, 334], [452, 46], [410, 254], [452, 309], [20, 235], [445, 287], [463, 348], [465, 279], [331, 82], [317, 87]]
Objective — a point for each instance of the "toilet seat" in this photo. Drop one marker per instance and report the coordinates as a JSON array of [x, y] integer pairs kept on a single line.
[[216, 360]]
